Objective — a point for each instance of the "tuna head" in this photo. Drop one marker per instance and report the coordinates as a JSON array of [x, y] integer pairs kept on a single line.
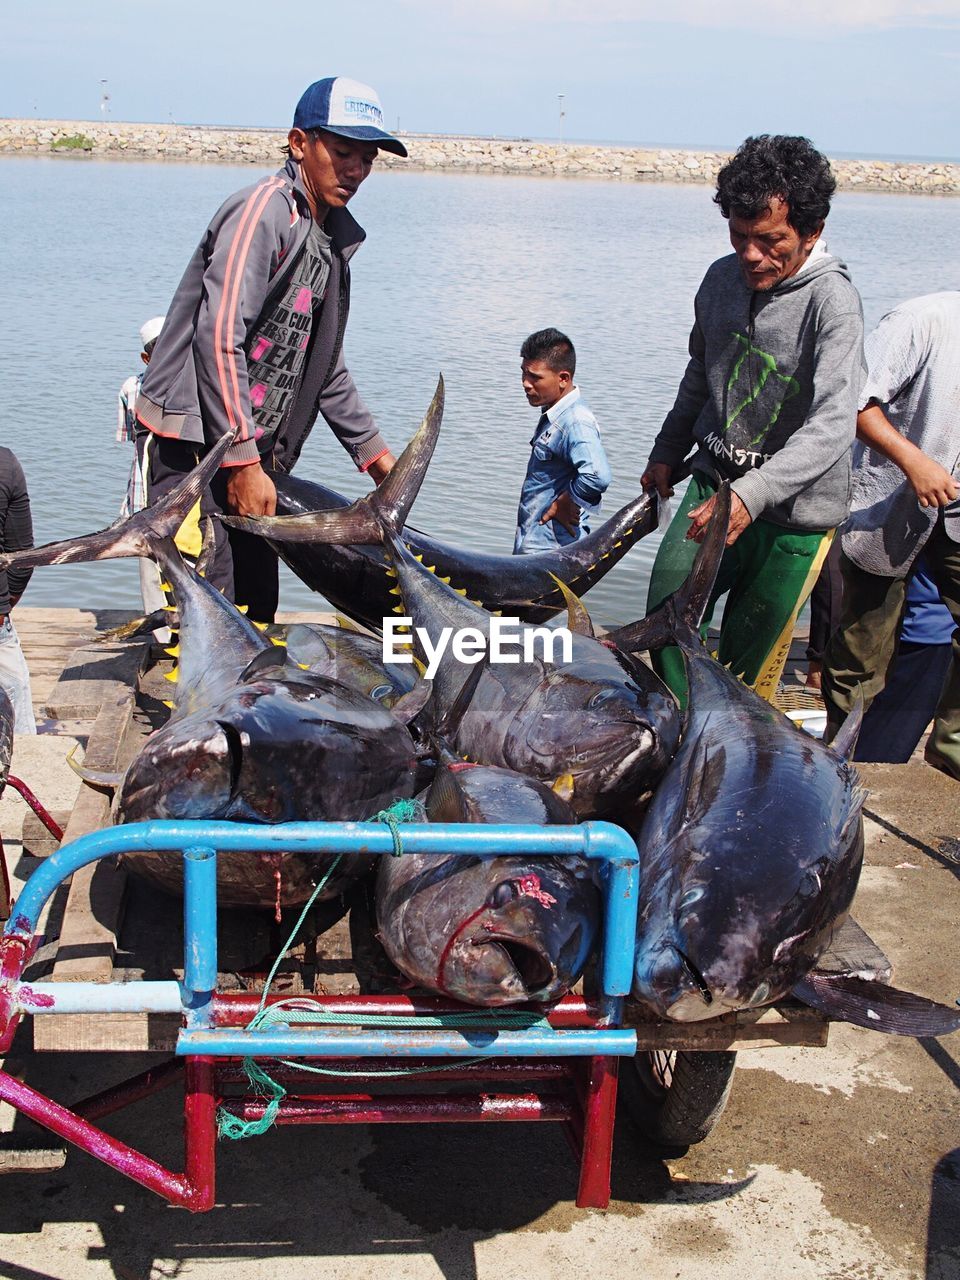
[[739, 904], [272, 750], [494, 932], [609, 740]]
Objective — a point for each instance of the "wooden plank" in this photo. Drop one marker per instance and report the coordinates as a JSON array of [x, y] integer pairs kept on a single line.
[[93, 675], [91, 922], [106, 1033], [789, 1023]]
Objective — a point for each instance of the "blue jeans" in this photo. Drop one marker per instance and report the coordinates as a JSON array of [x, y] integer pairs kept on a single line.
[[15, 678]]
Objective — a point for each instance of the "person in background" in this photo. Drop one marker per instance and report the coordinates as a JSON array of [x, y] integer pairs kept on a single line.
[[906, 499], [902, 710], [16, 534], [252, 347], [135, 500], [568, 470], [769, 400]]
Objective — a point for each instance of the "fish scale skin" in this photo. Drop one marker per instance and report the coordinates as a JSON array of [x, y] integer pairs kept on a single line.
[[755, 827]]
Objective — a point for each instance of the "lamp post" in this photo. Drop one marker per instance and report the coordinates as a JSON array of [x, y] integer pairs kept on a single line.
[[560, 98]]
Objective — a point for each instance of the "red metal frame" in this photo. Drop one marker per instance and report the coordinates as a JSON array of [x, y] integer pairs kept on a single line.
[[578, 1093], [6, 893]]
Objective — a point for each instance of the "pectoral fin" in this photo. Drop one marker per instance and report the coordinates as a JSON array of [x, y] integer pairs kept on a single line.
[[876, 1006]]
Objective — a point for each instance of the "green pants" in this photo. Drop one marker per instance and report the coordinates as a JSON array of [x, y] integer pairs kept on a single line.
[[769, 572], [861, 652]]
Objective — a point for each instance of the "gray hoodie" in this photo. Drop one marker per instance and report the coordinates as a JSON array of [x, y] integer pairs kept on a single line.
[[771, 391]]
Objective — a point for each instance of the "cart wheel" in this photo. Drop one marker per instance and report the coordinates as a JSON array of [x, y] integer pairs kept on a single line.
[[675, 1098]]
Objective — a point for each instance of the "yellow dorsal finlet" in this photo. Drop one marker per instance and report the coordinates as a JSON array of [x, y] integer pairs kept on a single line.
[[563, 786]]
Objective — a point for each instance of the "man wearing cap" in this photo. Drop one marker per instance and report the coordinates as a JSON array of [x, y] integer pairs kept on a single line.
[[252, 343]]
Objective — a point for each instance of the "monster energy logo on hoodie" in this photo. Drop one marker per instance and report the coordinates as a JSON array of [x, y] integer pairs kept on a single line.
[[769, 391]]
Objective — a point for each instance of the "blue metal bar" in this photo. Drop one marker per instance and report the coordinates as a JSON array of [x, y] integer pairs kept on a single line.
[[199, 931], [322, 1042], [99, 997], [602, 842]]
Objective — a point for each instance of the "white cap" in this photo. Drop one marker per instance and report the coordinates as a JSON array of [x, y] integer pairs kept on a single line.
[[150, 331]]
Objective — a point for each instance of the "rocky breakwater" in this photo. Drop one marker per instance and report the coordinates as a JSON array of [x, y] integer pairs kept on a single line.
[[265, 147]]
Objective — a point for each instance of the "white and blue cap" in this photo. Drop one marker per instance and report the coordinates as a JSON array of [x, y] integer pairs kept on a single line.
[[348, 108]]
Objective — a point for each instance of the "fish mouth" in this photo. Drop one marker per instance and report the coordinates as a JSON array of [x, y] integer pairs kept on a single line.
[[532, 969]]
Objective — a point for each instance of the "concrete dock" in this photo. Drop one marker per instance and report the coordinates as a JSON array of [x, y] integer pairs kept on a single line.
[[837, 1163]]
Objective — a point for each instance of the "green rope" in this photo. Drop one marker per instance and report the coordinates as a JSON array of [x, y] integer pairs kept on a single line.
[[230, 1126], [400, 811]]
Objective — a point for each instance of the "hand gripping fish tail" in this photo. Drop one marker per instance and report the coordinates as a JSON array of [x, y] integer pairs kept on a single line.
[[364, 520], [677, 620]]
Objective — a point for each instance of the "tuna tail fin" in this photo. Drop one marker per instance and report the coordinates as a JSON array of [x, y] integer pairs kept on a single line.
[[141, 535], [680, 615], [363, 520], [845, 741], [96, 778], [874, 1005], [143, 626]]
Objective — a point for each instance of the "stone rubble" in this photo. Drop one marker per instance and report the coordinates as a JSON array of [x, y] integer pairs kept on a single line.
[[265, 148]]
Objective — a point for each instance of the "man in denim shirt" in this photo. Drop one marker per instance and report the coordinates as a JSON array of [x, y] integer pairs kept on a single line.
[[568, 469]]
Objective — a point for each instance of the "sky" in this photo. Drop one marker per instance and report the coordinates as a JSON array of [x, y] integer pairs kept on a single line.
[[859, 77]]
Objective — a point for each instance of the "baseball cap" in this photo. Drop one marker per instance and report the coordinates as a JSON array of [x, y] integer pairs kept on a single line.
[[150, 331], [346, 107]]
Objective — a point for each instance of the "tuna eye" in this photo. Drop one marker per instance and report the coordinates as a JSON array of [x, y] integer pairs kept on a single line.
[[600, 698], [691, 896], [503, 893], [381, 692], [762, 992]]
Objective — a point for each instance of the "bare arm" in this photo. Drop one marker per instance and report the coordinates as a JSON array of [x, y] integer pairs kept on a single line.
[[933, 484]]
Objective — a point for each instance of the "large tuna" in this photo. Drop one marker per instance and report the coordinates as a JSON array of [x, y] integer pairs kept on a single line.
[[752, 847], [251, 737], [598, 725], [357, 579], [488, 931]]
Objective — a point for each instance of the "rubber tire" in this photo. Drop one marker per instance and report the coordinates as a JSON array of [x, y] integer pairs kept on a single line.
[[684, 1111]]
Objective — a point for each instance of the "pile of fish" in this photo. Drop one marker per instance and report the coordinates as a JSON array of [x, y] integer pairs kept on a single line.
[[750, 832]]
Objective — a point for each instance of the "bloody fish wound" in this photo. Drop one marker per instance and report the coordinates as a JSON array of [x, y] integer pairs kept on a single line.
[[601, 727], [252, 737], [492, 931]]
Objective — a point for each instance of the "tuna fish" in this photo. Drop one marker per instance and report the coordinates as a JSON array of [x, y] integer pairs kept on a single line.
[[751, 848], [598, 725], [357, 579], [252, 737], [489, 931]]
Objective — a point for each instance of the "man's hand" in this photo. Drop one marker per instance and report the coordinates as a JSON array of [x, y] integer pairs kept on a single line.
[[933, 484], [566, 511], [250, 492], [381, 467], [700, 518], [657, 476]]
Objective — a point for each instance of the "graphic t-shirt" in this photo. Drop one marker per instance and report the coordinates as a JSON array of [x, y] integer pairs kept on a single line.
[[277, 349]]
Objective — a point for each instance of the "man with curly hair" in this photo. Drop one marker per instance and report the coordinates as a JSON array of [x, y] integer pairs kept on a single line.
[[769, 399]]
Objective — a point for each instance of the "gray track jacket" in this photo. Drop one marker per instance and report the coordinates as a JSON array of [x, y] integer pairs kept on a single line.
[[196, 387], [771, 391]]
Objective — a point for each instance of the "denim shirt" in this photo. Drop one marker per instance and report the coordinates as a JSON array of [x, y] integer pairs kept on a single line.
[[566, 457]]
